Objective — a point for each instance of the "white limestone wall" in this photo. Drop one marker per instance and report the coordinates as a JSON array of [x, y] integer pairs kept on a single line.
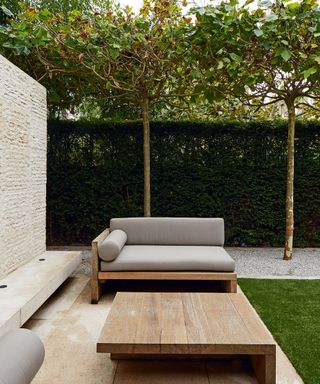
[[23, 145]]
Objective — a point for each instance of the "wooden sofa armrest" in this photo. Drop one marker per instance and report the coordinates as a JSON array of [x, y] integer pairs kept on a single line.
[[101, 237], [95, 284]]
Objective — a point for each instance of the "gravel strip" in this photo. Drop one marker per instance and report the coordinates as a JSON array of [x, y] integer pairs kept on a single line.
[[267, 262]]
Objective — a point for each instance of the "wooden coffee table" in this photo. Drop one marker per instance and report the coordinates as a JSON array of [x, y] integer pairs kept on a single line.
[[183, 325]]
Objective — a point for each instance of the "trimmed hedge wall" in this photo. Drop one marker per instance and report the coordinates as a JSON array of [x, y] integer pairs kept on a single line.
[[232, 170]]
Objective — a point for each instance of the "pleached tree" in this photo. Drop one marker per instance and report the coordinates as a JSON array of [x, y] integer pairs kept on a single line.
[[136, 59], [264, 56]]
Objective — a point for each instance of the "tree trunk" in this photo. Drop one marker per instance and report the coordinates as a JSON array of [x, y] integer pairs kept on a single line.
[[290, 178], [146, 157]]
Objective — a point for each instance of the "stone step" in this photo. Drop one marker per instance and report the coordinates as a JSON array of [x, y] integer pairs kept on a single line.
[[29, 286]]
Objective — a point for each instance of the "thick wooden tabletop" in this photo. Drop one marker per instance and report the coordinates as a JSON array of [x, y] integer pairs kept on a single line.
[[184, 323]]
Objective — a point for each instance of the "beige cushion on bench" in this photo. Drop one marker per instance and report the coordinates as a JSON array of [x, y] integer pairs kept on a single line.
[[171, 258]]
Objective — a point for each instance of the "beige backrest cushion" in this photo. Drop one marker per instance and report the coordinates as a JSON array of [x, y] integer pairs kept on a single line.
[[111, 246], [171, 230]]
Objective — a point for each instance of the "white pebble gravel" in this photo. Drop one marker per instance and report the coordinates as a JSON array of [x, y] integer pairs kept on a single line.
[[268, 262]]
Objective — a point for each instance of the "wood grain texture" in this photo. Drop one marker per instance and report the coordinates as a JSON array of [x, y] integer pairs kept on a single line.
[[231, 285], [158, 325], [154, 275], [187, 323], [171, 356], [258, 331], [265, 368], [95, 283]]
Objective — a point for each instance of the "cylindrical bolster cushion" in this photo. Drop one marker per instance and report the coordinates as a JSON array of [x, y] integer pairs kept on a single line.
[[21, 356], [111, 246]]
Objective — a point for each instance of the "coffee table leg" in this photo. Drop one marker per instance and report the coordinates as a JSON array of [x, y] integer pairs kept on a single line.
[[231, 286], [265, 368]]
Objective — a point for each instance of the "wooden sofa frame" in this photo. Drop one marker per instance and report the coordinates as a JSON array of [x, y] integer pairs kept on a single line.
[[98, 277]]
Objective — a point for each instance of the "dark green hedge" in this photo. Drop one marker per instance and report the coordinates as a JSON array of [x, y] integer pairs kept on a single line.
[[231, 170]]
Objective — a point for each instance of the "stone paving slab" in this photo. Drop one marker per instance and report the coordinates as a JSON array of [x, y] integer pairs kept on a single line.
[[29, 286], [70, 333]]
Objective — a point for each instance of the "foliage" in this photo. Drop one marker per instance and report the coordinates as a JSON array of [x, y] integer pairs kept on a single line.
[[229, 169], [62, 6], [290, 309], [262, 57], [138, 59], [71, 90], [159, 57], [26, 43]]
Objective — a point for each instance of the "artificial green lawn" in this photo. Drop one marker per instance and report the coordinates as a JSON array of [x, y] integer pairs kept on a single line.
[[291, 311]]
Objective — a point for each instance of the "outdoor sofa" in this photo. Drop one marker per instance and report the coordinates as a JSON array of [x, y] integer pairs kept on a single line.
[[161, 248]]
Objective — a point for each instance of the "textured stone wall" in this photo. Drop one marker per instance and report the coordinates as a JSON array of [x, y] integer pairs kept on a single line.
[[23, 142]]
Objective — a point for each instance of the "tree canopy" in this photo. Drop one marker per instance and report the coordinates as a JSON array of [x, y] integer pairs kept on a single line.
[[261, 57], [136, 59], [225, 60]]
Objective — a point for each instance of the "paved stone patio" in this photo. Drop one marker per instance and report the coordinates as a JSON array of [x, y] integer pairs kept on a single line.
[[70, 326]]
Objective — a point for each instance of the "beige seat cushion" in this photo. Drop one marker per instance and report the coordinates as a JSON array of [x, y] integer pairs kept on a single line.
[[171, 258]]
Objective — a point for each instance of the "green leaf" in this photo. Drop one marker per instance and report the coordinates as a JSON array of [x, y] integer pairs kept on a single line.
[[234, 2], [293, 5], [201, 11], [316, 58], [258, 32], [265, 4], [286, 67], [75, 12], [114, 53], [228, 7], [6, 11], [271, 17], [21, 50], [6, 44], [195, 74], [303, 55], [266, 44], [284, 53], [235, 57], [308, 72], [220, 64]]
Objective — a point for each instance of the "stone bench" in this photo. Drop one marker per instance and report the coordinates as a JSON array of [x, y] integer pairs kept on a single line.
[[24, 290]]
